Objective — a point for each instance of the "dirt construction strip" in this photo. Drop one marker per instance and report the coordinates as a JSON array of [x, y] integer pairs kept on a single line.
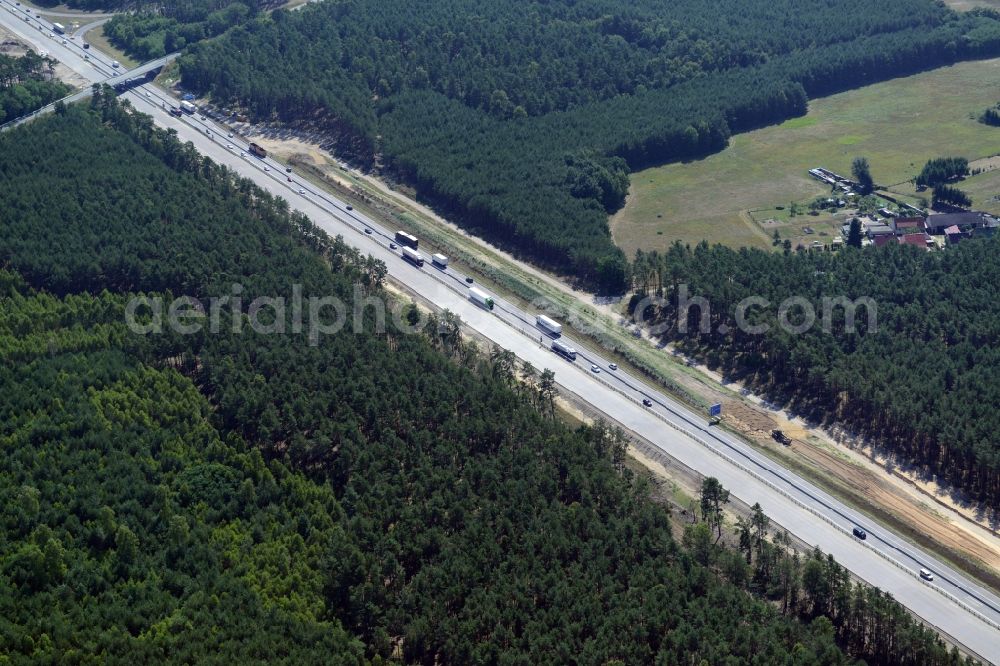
[[922, 512]]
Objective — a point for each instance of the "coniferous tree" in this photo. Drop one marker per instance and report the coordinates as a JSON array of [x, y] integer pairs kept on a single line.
[[239, 497], [991, 116], [854, 233], [851, 365], [582, 92], [713, 497], [946, 194], [941, 170], [862, 175]]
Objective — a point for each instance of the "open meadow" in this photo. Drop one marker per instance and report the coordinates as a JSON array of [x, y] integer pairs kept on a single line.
[[731, 197], [984, 190]]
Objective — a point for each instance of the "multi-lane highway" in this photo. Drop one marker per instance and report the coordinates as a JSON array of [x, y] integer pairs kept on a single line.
[[26, 22], [957, 606], [69, 50]]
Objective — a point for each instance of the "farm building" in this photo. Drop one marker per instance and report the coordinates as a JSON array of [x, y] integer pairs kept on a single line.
[[907, 225], [878, 229], [916, 240], [966, 221]]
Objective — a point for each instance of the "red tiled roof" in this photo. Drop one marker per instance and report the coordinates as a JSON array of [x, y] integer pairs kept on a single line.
[[881, 240], [920, 240], [953, 229]]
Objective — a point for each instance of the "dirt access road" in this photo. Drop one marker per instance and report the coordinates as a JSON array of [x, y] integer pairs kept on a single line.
[[915, 508], [845, 466]]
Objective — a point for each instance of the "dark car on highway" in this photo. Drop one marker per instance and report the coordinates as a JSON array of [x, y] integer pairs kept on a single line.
[[860, 533]]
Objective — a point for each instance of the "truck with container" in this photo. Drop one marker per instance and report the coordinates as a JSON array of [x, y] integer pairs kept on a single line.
[[413, 256], [439, 260], [407, 240], [550, 326], [257, 151], [59, 28], [481, 298], [564, 350], [188, 108]]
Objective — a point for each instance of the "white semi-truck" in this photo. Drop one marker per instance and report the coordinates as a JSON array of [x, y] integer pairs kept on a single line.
[[481, 298], [563, 349], [59, 28], [413, 256], [439, 260], [550, 326], [188, 107]]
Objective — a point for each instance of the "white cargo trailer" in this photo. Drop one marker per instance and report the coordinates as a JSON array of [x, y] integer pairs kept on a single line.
[[413, 256], [439, 260], [550, 326], [563, 349], [481, 298]]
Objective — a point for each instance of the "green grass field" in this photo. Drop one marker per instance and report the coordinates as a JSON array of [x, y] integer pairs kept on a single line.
[[898, 125], [984, 190], [100, 42]]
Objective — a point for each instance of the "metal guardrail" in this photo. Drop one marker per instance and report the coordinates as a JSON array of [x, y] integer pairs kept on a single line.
[[88, 91], [803, 505], [48, 108], [668, 460], [770, 484], [83, 94]]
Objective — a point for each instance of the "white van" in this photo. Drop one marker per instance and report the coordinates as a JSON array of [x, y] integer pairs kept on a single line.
[[926, 574]]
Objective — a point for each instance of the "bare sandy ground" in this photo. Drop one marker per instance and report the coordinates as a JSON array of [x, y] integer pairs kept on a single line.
[[853, 466], [849, 464], [11, 45]]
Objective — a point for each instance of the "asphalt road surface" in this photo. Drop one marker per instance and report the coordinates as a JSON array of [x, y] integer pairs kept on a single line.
[[952, 603]]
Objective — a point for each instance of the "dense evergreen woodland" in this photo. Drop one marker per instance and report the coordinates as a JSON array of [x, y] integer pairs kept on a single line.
[[238, 498], [182, 10], [942, 170], [150, 31], [25, 87], [522, 119], [922, 382]]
